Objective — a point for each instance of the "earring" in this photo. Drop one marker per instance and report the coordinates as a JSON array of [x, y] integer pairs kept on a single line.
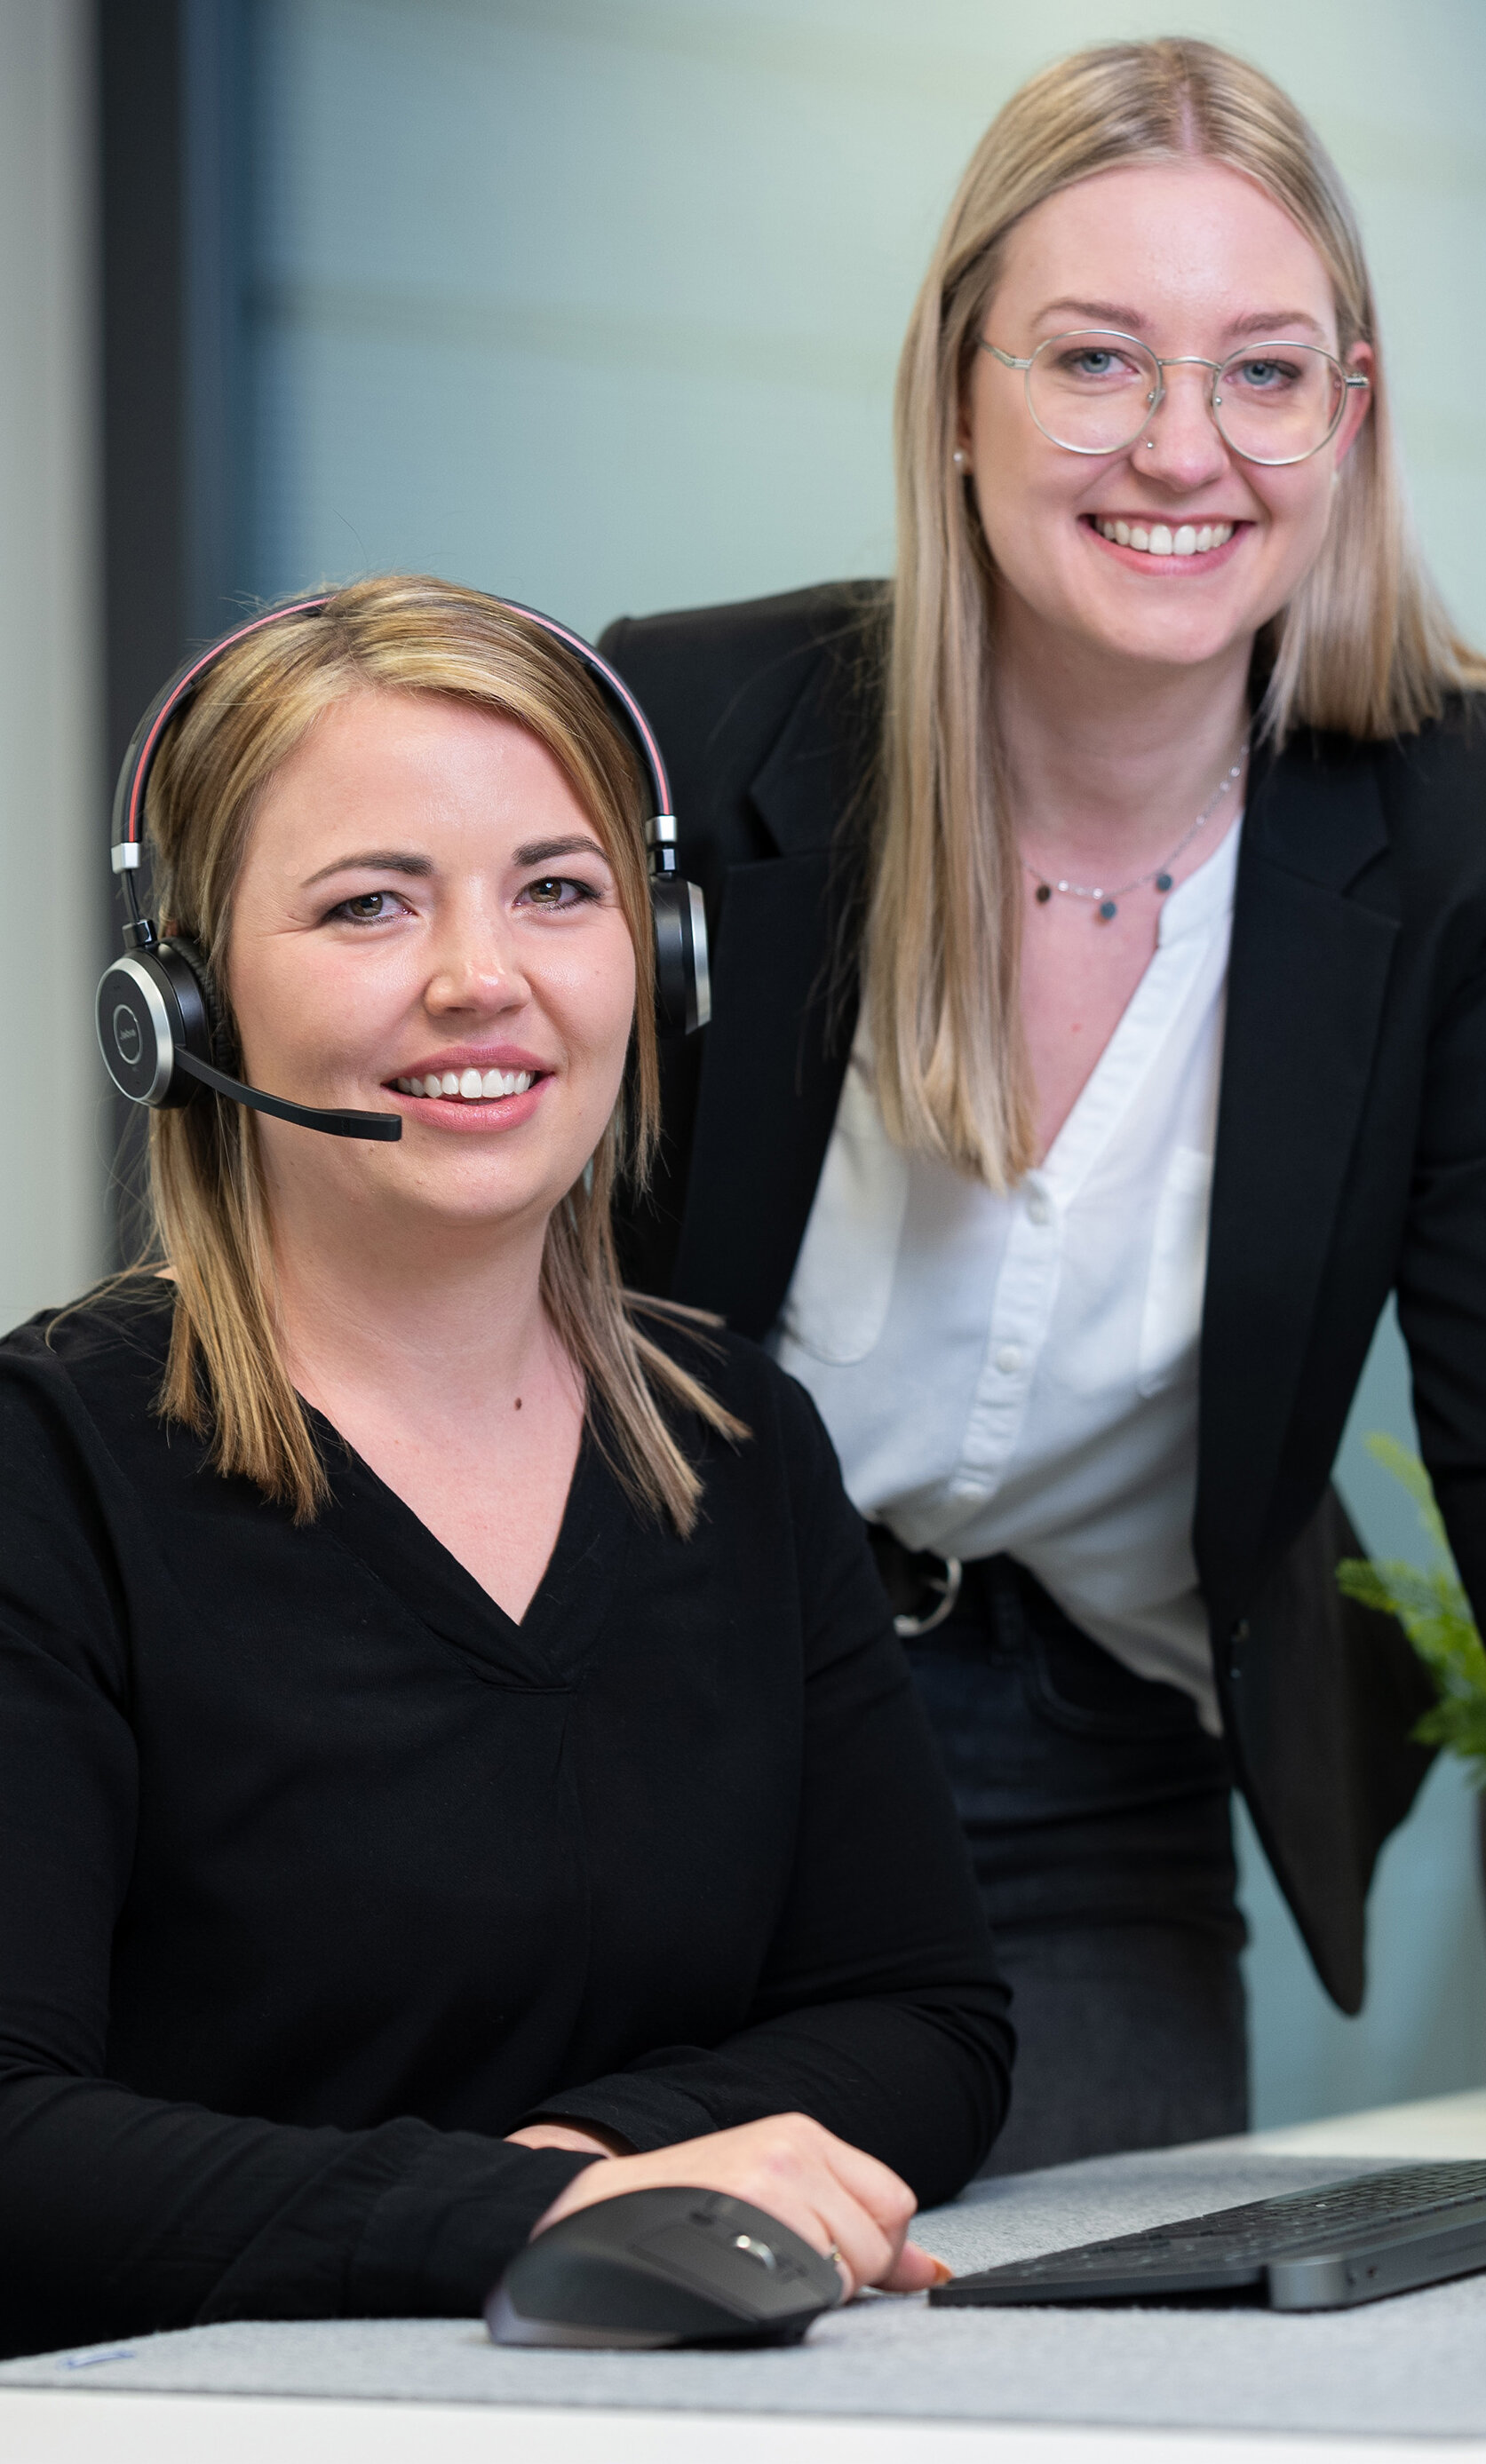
[[1150, 444], [958, 459]]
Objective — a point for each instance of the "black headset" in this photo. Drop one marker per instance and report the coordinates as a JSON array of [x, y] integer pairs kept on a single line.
[[159, 1019]]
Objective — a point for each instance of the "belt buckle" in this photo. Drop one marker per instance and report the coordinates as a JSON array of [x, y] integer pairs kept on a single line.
[[948, 1586]]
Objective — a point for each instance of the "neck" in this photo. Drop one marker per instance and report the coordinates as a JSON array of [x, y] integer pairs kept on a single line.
[[447, 1323], [1108, 761]]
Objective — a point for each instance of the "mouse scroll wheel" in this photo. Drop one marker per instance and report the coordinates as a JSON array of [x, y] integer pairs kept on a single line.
[[759, 2249]]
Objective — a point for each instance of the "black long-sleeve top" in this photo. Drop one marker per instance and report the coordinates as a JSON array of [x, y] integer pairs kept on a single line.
[[317, 1872]]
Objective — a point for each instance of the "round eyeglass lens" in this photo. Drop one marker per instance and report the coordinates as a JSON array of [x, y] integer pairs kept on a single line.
[[1092, 392], [1273, 402], [1279, 402]]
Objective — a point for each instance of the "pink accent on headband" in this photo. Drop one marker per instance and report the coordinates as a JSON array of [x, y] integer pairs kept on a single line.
[[131, 826]]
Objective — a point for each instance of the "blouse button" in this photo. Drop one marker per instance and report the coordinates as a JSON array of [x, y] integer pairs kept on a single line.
[[1009, 1359], [1039, 1210]]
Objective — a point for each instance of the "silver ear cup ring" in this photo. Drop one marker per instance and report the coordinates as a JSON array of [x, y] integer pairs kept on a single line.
[[134, 1031], [683, 990]]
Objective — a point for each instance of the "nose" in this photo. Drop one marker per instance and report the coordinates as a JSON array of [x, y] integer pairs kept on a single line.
[[476, 966], [1181, 448]]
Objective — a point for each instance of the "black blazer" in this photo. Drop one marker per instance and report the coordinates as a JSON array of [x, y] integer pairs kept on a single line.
[[1351, 1159]]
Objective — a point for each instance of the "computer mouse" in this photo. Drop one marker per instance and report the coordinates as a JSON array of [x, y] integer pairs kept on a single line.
[[663, 2267]]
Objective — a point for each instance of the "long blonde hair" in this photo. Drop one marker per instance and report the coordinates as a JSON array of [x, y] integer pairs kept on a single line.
[[225, 1376], [1363, 647]]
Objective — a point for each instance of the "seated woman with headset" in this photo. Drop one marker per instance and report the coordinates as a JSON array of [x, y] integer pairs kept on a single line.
[[454, 1760]]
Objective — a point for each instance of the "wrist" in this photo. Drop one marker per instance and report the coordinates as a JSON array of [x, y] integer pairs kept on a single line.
[[574, 2138]]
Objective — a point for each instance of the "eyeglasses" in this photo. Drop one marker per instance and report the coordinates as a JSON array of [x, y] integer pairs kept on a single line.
[[1096, 392]]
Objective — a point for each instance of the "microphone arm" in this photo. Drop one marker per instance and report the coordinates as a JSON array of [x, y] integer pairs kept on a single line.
[[304, 1116]]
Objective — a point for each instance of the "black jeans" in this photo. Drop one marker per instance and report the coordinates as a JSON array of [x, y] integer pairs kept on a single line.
[[1097, 1812]]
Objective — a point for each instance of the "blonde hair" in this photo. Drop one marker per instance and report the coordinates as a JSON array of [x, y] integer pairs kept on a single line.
[[1363, 647], [225, 1376]]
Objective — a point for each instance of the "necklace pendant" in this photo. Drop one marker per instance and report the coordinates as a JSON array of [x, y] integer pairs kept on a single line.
[[1044, 892], [1162, 881], [1107, 911]]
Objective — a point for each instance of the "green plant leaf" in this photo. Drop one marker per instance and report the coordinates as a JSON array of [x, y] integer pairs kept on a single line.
[[1409, 1473], [1431, 1605]]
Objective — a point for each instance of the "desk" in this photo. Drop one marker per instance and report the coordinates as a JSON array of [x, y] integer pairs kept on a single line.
[[886, 2380]]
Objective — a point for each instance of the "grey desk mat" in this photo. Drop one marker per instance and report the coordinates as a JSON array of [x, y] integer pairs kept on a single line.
[[1416, 2363]]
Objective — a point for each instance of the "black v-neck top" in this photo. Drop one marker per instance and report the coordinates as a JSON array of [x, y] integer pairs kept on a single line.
[[317, 1872]]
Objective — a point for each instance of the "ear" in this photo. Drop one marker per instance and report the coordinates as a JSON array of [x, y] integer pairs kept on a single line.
[[1361, 361]]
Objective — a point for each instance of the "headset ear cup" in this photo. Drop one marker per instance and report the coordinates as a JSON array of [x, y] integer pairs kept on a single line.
[[683, 982], [154, 1002]]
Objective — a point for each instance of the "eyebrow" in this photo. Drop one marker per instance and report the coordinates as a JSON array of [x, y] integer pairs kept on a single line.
[[544, 851], [375, 860], [1272, 321], [1114, 316], [419, 867]]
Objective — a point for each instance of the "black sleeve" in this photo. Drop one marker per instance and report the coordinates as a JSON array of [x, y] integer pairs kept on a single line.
[[1442, 1276], [121, 2214], [880, 2012]]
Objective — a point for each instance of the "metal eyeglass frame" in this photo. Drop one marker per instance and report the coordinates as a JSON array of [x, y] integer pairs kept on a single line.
[[1350, 383]]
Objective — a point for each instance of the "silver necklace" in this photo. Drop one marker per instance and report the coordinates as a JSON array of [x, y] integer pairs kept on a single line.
[[1107, 901]]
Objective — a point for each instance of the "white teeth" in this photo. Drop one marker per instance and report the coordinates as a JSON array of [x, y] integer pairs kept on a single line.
[[1160, 541], [469, 1085]]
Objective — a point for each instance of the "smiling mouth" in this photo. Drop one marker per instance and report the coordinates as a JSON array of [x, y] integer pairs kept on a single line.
[[469, 1086], [1164, 539]]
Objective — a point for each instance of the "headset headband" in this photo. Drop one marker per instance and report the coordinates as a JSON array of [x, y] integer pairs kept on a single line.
[[128, 812]]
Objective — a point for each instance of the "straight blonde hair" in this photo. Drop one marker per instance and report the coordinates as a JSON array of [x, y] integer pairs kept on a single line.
[[1363, 648], [225, 1376]]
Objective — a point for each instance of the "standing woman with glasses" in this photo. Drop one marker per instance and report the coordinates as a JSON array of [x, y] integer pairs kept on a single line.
[[1100, 1038]]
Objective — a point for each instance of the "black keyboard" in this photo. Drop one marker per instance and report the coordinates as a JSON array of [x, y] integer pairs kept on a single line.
[[1322, 2249]]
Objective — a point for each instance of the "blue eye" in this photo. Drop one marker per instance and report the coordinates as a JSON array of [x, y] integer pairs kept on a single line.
[[1094, 364], [1265, 376]]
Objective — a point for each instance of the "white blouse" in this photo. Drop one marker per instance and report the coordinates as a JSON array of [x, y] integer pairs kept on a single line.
[[1019, 1373]]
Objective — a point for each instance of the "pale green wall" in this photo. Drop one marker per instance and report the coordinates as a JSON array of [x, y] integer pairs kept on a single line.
[[597, 304], [600, 302]]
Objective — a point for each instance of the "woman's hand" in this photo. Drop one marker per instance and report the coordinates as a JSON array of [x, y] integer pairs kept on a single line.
[[828, 2194]]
